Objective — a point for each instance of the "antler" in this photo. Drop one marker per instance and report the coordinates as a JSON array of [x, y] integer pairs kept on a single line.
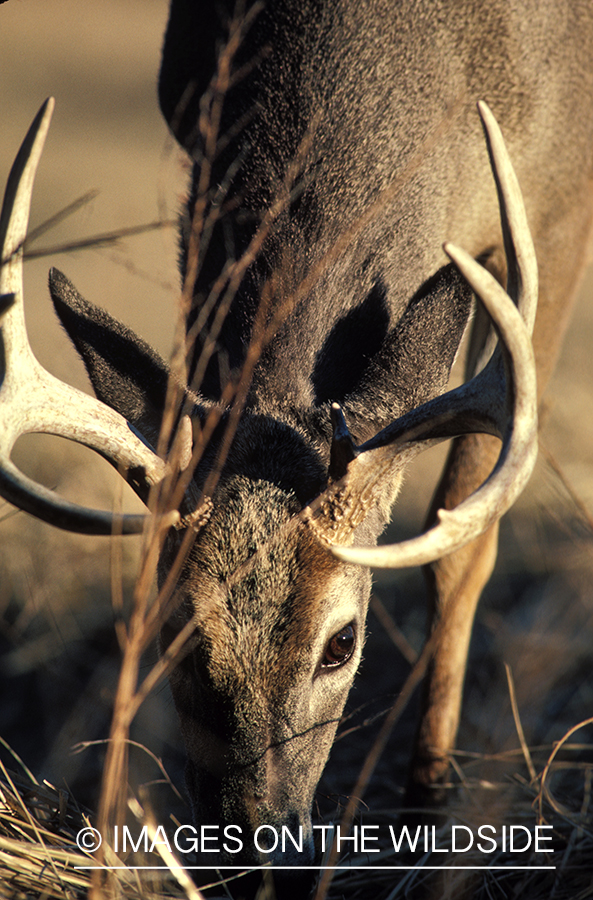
[[31, 399], [500, 400]]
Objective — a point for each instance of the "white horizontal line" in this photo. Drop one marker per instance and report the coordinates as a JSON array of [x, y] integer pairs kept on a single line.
[[320, 868]]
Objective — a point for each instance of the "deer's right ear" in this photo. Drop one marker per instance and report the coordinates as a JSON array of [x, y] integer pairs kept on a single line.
[[126, 373], [415, 360]]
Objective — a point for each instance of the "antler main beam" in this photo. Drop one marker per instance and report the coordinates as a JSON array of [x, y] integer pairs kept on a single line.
[[32, 400], [500, 400]]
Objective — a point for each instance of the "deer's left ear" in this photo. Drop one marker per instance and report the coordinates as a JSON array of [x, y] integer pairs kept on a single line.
[[414, 362], [126, 373]]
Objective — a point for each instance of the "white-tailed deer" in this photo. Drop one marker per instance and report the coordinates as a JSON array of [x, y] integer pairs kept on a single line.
[[336, 146]]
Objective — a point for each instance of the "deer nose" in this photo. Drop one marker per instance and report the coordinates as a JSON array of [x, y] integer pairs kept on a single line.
[[273, 828]]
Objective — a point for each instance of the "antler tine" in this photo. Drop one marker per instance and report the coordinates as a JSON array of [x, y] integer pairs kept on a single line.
[[31, 399], [520, 254], [512, 410], [343, 449]]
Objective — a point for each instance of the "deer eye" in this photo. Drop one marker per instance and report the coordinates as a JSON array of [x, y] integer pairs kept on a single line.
[[339, 648]]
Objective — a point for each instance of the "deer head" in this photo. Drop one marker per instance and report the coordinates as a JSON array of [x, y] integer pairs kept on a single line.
[[275, 586]]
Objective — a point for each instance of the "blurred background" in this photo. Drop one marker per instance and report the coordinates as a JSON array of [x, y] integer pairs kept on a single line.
[[100, 61], [59, 655]]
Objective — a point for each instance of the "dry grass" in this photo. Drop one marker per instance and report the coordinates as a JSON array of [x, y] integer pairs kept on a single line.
[[39, 856]]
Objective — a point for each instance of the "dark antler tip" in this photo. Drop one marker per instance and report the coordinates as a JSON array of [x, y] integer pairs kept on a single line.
[[340, 428], [343, 449]]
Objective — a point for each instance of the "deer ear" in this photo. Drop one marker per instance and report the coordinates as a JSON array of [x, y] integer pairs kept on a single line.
[[415, 360], [126, 373]]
